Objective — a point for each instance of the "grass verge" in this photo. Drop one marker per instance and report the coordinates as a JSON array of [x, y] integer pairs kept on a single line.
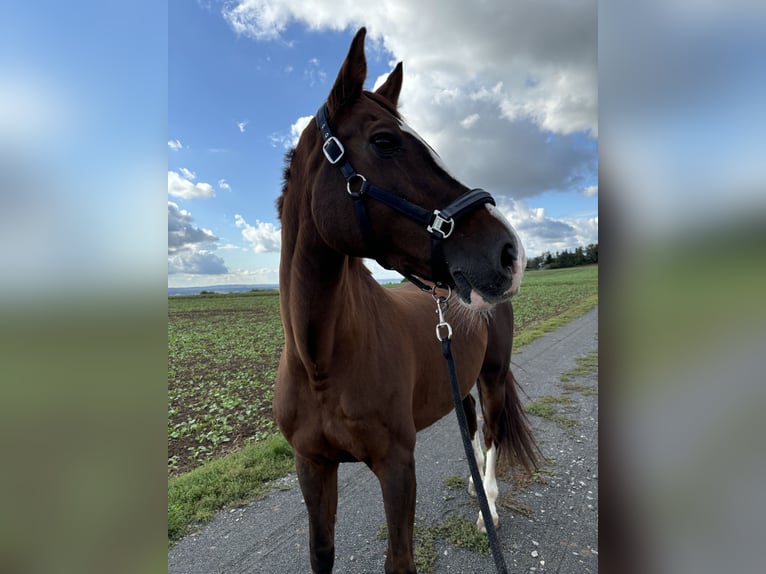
[[545, 326], [243, 476]]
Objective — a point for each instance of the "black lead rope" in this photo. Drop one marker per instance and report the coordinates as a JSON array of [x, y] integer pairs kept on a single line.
[[444, 334]]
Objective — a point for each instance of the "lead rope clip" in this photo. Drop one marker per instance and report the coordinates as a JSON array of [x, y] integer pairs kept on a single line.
[[443, 328]]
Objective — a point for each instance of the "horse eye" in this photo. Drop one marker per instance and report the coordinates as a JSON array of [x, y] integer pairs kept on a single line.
[[385, 144]]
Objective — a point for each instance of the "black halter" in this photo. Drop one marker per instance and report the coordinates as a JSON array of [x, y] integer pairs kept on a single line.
[[439, 223]]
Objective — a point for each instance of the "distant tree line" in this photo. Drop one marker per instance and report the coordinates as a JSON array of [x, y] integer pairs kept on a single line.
[[580, 256]]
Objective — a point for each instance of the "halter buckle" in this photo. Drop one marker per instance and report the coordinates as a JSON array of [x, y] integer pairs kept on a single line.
[[438, 222], [333, 150]]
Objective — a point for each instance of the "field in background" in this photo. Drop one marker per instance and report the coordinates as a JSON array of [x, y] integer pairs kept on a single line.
[[223, 353]]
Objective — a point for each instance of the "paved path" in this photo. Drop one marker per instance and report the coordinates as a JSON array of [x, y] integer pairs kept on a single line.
[[559, 534]]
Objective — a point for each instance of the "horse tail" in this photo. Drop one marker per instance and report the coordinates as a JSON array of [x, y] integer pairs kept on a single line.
[[515, 440]]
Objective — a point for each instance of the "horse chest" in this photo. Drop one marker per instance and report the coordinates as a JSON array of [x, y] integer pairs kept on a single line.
[[348, 416]]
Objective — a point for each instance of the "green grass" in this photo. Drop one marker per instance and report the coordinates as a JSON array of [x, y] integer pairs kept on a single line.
[[462, 533], [584, 390], [584, 366], [195, 497], [455, 481], [550, 299], [457, 532], [223, 354], [547, 407]]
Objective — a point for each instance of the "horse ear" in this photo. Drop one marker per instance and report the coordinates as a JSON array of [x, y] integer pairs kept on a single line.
[[350, 81], [392, 86]]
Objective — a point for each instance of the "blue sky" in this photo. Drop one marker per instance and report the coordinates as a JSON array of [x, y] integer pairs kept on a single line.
[[518, 118]]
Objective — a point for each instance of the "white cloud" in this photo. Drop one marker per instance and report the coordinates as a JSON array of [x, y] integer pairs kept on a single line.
[[190, 247], [263, 236], [196, 262], [241, 125], [259, 276], [260, 19], [517, 75], [296, 129], [541, 233], [590, 191], [181, 231], [314, 74], [182, 187], [469, 121], [543, 53], [190, 175], [222, 184], [175, 145]]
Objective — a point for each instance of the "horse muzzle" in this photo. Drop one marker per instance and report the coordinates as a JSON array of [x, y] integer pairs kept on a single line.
[[480, 285]]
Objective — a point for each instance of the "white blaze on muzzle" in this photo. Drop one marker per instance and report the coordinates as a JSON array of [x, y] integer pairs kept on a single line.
[[520, 264]]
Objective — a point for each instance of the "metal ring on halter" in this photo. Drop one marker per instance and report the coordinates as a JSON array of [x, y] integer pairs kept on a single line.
[[361, 186], [436, 297]]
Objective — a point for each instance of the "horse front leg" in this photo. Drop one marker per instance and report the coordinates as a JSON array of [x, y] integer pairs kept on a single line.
[[319, 485], [396, 474]]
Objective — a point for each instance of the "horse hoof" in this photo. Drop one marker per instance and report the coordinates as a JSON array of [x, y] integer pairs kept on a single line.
[[480, 523], [480, 526], [471, 488]]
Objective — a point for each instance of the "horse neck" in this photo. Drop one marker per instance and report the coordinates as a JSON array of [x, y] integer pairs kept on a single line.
[[324, 294]]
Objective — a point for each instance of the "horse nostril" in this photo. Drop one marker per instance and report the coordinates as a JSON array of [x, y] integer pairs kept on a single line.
[[508, 256]]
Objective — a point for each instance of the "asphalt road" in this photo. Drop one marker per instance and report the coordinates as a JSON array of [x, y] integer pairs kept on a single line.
[[558, 534]]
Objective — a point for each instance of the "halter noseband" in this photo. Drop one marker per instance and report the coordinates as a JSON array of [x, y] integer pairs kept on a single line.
[[439, 223]]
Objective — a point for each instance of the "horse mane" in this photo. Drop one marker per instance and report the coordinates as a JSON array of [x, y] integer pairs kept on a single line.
[[285, 179]]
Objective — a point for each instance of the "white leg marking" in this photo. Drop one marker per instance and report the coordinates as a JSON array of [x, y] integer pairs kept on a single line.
[[478, 452], [490, 487]]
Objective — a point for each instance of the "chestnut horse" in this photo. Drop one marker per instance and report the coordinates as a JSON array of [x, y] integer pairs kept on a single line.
[[361, 371]]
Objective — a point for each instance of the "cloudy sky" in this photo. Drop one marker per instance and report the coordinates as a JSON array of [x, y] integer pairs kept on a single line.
[[505, 92]]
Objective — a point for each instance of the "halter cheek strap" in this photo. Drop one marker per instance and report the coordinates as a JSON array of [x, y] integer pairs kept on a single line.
[[439, 223]]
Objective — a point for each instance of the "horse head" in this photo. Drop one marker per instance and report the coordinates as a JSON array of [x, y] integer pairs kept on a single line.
[[378, 190]]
